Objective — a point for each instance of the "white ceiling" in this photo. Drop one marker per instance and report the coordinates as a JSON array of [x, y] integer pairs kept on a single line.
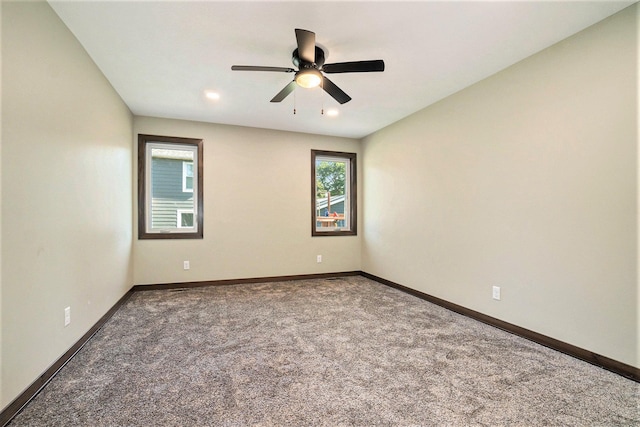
[[161, 57]]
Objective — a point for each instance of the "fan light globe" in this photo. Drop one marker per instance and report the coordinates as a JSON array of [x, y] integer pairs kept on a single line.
[[308, 78]]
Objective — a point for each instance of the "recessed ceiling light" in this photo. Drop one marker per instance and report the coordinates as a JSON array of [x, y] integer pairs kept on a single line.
[[332, 112], [212, 95]]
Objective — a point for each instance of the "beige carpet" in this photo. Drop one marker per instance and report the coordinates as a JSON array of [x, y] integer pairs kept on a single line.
[[321, 352]]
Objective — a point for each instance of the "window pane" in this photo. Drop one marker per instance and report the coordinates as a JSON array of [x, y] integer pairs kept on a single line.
[[167, 195], [331, 193]]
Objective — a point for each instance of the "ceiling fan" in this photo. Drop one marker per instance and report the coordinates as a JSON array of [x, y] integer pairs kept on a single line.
[[309, 59]]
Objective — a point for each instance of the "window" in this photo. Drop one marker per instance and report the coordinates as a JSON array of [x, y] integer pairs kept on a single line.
[[187, 177], [333, 193], [185, 218], [169, 188]]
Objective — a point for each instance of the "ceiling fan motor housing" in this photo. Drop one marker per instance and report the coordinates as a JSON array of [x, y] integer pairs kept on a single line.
[[295, 58]]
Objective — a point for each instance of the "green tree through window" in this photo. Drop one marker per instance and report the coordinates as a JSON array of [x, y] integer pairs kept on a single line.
[[330, 176]]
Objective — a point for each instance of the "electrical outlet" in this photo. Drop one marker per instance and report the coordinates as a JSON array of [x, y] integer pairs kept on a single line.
[[186, 265], [67, 316], [496, 293], [319, 258]]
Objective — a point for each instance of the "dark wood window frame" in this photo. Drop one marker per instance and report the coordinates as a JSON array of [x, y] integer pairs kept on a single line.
[[143, 140], [352, 188]]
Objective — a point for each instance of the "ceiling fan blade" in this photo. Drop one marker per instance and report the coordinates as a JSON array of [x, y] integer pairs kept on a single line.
[[306, 45], [258, 68], [354, 67], [334, 91], [284, 92]]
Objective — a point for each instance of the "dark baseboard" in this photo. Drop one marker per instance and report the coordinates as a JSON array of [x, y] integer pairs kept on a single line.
[[226, 282], [604, 362], [25, 397]]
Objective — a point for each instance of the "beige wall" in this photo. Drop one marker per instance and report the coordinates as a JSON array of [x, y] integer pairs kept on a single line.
[[526, 180], [257, 208], [66, 193]]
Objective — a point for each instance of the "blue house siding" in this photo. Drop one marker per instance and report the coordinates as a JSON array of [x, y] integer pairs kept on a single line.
[[337, 205], [167, 196]]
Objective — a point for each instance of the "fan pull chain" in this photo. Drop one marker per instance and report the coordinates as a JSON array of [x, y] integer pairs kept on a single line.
[[322, 96], [294, 101]]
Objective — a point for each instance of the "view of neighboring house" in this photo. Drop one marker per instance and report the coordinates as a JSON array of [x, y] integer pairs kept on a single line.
[[324, 209], [172, 189], [328, 206]]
